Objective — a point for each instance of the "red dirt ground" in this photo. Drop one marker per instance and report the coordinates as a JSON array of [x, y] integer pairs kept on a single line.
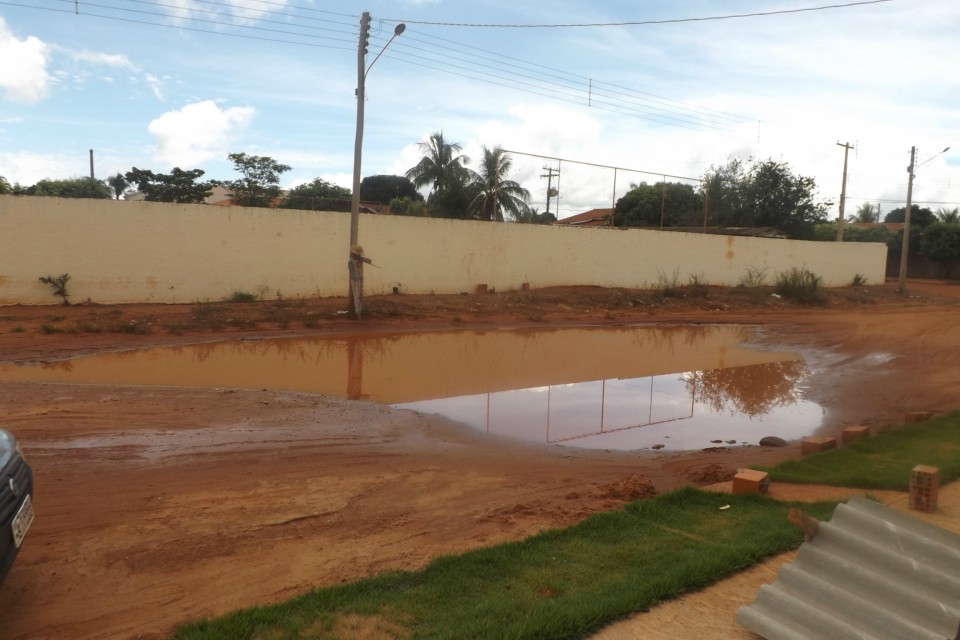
[[157, 506]]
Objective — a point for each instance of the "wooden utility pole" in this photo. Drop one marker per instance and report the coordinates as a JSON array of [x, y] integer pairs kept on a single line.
[[902, 284], [551, 172], [843, 192]]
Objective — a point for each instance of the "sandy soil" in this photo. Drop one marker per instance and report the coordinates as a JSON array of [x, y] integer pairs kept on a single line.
[[161, 505]]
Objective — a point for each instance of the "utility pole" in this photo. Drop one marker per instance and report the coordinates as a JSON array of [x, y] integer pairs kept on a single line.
[[551, 172], [356, 258], [355, 265], [92, 177], [843, 191], [902, 286]]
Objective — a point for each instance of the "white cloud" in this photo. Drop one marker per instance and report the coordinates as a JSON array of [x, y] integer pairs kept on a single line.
[[23, 67], [198, 132], [29, 168], [155, 84], [118, 61]]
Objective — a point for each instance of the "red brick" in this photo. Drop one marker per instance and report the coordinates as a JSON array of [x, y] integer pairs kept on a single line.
[[917, 416], [849, 434], [817, 444], [751, 481]]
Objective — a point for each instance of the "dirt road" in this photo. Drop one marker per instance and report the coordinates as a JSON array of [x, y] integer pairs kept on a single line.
[[161, 505]]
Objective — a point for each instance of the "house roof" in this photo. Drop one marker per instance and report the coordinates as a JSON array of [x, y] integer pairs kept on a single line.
[[592, 218], [870, 572]]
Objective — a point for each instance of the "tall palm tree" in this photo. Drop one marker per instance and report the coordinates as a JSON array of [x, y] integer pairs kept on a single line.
[[865, 213], [949, 215], [441, 162], [497, 193], [119, 184]]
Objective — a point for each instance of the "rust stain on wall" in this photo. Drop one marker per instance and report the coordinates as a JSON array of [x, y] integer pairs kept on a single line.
[[730, 254]]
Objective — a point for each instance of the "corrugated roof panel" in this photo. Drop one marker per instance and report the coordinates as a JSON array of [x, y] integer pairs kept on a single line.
[[870, 573]]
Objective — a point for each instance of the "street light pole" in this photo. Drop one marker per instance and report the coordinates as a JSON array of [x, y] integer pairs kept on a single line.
[[356, 259]]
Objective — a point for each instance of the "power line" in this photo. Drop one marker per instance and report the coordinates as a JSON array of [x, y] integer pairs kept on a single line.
[[568, 77], [638, 22], [206, 21], [186, 28]]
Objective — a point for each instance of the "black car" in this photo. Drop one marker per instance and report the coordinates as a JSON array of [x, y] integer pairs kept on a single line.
[[16, 504]]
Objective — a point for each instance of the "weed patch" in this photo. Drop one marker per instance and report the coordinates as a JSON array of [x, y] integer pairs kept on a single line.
[[242, 296], [800, 285]]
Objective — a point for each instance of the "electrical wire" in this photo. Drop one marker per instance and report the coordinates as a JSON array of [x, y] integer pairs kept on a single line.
[[638, 22], [203, 20]]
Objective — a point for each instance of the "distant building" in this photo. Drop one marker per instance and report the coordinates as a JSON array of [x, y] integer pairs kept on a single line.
[[592, 218]]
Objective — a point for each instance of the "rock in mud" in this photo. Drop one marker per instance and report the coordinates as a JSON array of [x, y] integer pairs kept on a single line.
[[772, 441]]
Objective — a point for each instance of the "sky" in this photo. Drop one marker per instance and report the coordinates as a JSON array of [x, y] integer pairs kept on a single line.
[[182, 83]]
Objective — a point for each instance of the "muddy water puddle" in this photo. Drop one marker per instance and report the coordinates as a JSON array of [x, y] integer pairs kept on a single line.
[[626, 388]]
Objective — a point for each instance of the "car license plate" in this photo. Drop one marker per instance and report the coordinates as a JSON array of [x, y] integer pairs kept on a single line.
[[22, 521]]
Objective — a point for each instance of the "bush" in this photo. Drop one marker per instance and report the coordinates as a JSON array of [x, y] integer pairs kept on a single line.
[[242, 296], [754, 278], [801, 285]]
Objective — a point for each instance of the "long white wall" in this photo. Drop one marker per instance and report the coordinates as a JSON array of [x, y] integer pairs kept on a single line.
[[117, 252]]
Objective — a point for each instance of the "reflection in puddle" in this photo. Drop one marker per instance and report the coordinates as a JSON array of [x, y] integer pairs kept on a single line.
[[624, 388]]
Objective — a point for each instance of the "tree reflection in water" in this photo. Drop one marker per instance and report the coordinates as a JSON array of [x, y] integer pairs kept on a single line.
[[752, 390]]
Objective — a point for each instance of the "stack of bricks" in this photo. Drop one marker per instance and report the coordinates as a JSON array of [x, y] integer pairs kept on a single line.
[[924, 488]]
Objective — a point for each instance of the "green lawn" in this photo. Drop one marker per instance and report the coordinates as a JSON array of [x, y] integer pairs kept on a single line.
[[570, 582], [882, 461], [559, 584]]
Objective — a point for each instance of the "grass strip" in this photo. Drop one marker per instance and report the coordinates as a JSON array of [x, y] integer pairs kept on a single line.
[[562, 583], [881, 461]]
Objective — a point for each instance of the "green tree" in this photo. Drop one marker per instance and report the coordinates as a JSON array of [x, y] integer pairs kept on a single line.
[[407, 207], [69, 188], [177, 186], [866, 212], [919, 216], [259, 185], [533, 216], [453, 198], [318, 195], [940, 243], [496, 192], [948, 215], [723, 188], [441, 166], [5, 186], [383, 189], [763, 194], [644, 204], [119, 184]]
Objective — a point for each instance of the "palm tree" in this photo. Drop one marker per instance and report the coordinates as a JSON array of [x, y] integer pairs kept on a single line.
[[497, 193], [949, 215], [865, 213], [440, 163], [119, 184]]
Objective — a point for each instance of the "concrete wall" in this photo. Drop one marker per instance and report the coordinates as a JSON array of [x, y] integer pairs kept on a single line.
[[118, 252]]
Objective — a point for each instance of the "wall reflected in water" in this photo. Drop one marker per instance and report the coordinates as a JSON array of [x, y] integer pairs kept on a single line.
[[621, 388]]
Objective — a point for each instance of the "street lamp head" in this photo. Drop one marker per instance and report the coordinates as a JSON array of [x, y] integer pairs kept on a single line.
[[400, 28]]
